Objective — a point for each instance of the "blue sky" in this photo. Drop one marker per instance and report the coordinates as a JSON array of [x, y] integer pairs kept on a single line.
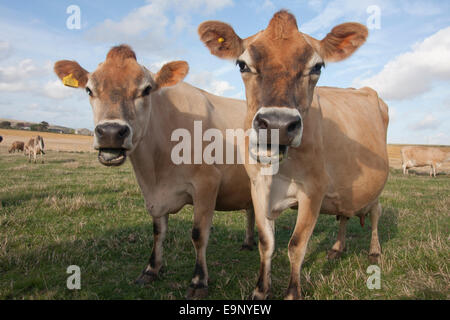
[[407, 59]]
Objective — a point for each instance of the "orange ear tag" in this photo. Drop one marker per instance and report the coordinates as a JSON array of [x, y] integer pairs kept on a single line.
[[220, 40], [70, 81]]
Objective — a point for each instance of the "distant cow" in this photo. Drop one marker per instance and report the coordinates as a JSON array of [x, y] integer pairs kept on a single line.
[[34, 147], [423, 157], [16, 146]]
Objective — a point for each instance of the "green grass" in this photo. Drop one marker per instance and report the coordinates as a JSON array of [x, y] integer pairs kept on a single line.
[[72, 210]]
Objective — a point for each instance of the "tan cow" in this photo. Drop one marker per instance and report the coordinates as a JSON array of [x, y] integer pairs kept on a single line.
[[34, 147], [135, 113], [423, 157], [331, 147], [16, 146]]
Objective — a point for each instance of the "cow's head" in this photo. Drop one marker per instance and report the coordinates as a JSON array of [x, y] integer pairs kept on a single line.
[[119, 92], [280, 67]]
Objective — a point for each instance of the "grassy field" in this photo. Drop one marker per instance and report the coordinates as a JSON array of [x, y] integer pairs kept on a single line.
[[73, 211]]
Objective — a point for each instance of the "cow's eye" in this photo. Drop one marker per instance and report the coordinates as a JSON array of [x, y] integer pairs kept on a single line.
[[317, 69], [89, 91], [146, 91], [242, 66]]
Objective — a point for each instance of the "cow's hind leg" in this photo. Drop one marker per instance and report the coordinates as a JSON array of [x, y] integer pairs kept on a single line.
[[339, 246], [150, 272], [249, 241], [375, 248]]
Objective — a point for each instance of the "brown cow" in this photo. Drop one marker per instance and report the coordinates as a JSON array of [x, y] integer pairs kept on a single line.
[[331, 148], [16, 146], [423, 157], [34, 147], [135, 113]]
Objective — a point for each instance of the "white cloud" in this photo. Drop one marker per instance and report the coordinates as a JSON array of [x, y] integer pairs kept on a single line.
[[56, 90], [12, 87], [427, 123], [145, 28], [25, 69], [206, 81], [413, 73], [15, 78], [333, 12]]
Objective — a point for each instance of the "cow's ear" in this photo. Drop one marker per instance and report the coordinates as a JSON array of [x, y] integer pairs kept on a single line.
[[71, 73], [343, 41], [171, 73], [221, 39]]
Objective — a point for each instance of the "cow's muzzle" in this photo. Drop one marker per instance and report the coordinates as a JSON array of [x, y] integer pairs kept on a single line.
[[112, 141], [277, 129]]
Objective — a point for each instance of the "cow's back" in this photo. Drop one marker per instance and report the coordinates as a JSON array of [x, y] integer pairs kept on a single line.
[[354, 130]]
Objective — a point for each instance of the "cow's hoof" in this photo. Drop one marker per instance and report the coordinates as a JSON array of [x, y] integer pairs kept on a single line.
[[257, 295], [334, 254], [146, 278], [291, 296], [194, 292], [374, 258]]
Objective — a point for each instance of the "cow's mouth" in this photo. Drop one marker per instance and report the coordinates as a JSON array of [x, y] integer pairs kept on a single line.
[[269, 154], [112, 157]]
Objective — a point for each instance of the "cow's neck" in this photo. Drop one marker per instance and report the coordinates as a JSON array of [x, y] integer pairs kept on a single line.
[[149, 154]]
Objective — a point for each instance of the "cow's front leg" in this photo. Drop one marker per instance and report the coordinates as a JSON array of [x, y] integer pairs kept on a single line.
[[266, 245], [308, 211], [151, 271], [198, 288], [204, 204]]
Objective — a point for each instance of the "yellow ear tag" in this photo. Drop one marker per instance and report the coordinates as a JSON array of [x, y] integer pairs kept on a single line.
[[70, 81], [220, 40]]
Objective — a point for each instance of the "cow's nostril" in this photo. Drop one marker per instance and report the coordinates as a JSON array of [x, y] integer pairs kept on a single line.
[[261, 123], [99, 131], [124, 132], [294, 126]]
